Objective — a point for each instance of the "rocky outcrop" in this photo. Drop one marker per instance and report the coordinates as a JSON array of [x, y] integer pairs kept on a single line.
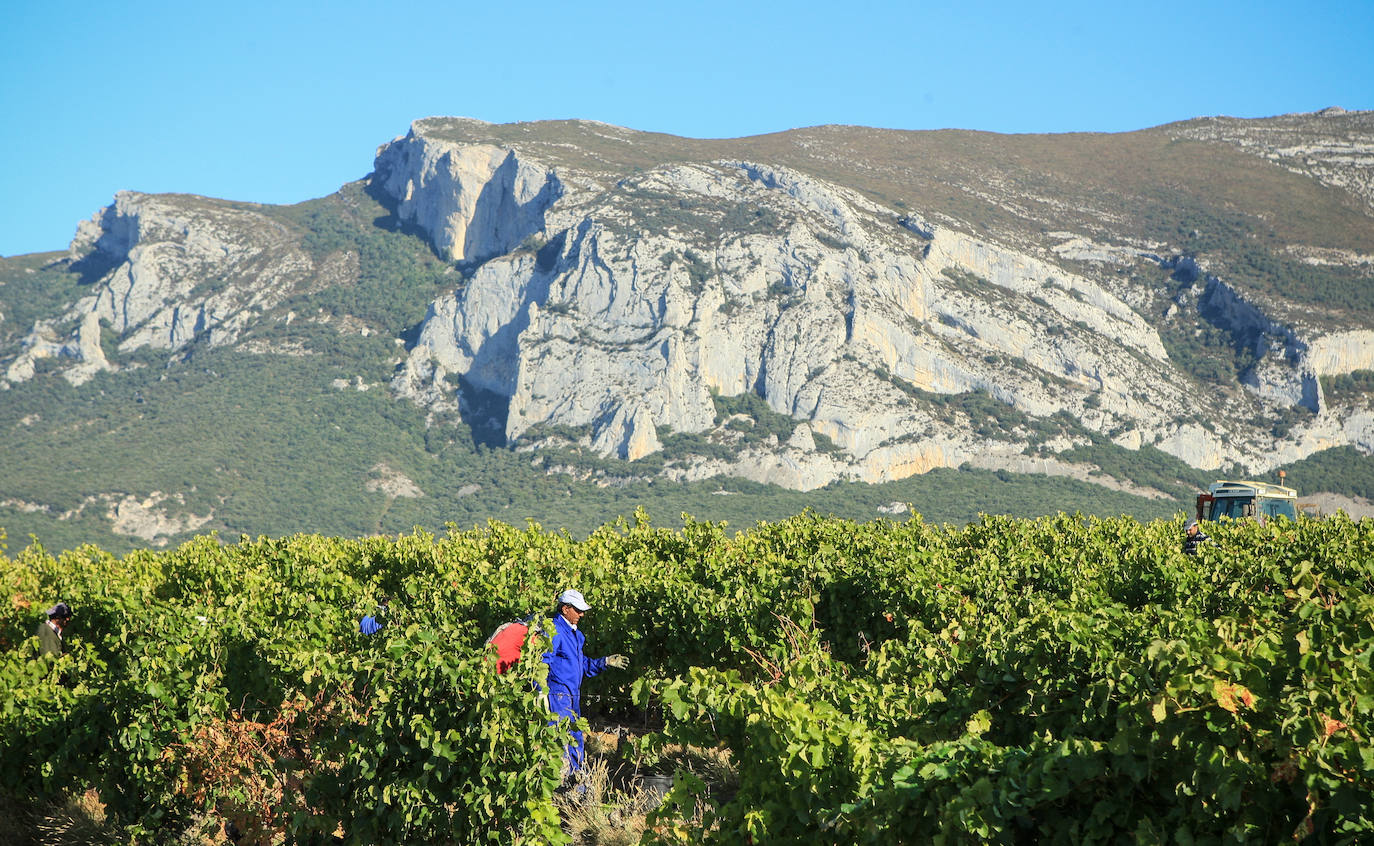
[[1048, 466], [1074, 297], [617, 291], [1288, 362], [1202, 447], [475, 201], [1334, 146], [831, 314], [1356, 508], [149, 519], [82, 347], [1340, 353], [392, 483], [181, 269], [1281, 373], [626, 432], [790, 467], [475, 331]]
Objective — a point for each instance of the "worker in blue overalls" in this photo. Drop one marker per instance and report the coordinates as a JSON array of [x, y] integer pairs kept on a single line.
[[569, 664]]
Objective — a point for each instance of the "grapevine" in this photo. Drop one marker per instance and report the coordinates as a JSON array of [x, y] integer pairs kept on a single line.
[[1062, 679]]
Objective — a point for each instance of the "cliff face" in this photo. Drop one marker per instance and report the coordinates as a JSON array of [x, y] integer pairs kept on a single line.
[[475, 201], [180, 269], [612, 287], [1339, 353], [642, 296]]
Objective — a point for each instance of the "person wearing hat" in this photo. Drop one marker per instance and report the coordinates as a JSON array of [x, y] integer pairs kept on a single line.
[[1193, 535], [569, 664], [50, 631]]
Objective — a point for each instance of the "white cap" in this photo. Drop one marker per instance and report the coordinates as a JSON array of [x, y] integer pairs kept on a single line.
[[574, 598]]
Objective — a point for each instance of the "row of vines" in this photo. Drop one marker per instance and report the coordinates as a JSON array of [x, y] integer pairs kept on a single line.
[[1066, 679]]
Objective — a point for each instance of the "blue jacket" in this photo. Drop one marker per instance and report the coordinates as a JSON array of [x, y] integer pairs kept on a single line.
[[568, 664]]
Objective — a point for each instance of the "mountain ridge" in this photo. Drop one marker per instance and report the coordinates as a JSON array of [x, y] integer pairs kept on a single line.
[[672, 274]]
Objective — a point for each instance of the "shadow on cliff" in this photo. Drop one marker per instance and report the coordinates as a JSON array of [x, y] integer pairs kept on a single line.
[[484, 412], [93, 266], [391, 222]]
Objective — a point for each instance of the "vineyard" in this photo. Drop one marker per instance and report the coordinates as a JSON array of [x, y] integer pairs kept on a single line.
[[1066, 679]]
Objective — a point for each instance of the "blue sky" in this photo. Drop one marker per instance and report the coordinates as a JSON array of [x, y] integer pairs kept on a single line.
[[283, 101]]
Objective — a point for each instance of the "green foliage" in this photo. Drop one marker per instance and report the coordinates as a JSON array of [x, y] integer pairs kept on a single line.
[[1343, 470], [965, 280], [700, 220], [201, 439], [688, 217], [398, 273], [678, 446], [1212, 355], [1348, 387], [751, 219], [1059, 680], [534, 242], [205, 427], [1147, 466], [762, 421], [571, 434], [825, 239], [1254, 256], [1202, 350], [34, 287], [182, 658], [205, 430], [1282, 420], [699, 271], [824, 444], [262, 468], [988, 416]]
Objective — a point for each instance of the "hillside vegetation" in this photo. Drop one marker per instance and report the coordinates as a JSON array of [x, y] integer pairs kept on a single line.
[[307, 458], [292, 450], [265, 387]]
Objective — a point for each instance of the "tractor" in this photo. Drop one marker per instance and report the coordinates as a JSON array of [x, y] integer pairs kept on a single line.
[[1239, 499]]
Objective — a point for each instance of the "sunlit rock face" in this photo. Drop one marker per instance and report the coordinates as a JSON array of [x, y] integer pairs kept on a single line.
[[634, 300], [621, 289]]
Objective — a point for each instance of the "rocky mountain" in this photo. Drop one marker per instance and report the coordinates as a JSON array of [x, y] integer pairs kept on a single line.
[[820, 306]]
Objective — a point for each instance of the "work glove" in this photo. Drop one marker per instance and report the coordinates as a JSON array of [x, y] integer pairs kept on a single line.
[[620, 662]]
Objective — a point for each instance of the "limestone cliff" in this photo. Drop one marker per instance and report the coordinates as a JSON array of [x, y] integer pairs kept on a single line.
[[181, 269], [614, 289], [641, 296], [476, 201]]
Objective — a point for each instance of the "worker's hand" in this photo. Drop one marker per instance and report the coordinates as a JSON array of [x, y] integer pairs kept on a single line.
[[620, 662]]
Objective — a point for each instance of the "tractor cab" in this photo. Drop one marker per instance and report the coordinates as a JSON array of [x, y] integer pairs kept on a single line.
[[1237, 500]]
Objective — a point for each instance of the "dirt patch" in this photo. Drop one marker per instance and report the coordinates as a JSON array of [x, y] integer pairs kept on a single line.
[[393, 483], [1329, 503]]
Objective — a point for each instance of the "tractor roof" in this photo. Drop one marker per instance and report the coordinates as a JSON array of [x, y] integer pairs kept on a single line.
[[1247, 488]]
